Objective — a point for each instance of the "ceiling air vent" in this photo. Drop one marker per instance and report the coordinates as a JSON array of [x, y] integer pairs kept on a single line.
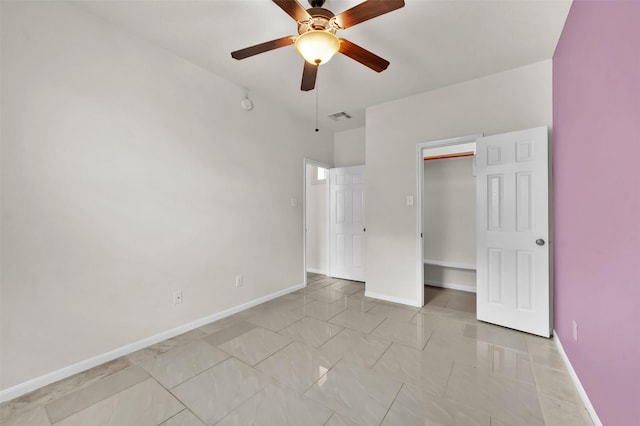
[[339, 116]]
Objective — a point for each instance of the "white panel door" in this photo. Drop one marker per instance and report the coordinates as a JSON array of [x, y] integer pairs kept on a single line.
[[513, 284], [347, 227]]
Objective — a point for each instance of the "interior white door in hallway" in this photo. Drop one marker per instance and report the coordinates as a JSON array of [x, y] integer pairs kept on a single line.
[[347, 223], [513, 275]]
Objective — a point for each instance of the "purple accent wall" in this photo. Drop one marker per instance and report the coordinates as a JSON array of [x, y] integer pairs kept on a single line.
[[596, 165]]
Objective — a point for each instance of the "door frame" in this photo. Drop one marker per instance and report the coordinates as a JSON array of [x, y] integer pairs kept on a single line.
[[309, 162], [419, 211]]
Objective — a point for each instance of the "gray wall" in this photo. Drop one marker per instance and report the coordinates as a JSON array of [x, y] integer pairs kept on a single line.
[[349, 148], [129, 173]]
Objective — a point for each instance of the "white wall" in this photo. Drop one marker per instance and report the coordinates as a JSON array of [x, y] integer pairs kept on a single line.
[[317, 223], [449, 220], [349, 147], [128, 173], [507, 101]]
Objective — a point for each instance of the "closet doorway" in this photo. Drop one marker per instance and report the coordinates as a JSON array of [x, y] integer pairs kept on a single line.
[[446, 214]]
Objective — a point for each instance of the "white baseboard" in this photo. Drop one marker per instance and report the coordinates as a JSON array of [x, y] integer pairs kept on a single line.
[[576, 381], [452, 286], [38, 382], [317, 271], [393, 299]]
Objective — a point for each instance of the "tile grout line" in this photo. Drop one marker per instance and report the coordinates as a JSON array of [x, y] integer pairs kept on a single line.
[[381, 355], [295, 322], [331, 338], [318, 379], [444, 390], [178, 413], [272, 354], [377, 326], [329, 419], [392, 402], [427, 342], [416, 314], [197, 374]]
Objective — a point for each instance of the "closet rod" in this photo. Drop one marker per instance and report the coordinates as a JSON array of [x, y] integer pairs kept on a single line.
[[440, 157]]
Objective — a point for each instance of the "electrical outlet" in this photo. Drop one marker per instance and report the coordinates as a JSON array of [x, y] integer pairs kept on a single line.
[[239, 281], [177, 297], [575, 331]]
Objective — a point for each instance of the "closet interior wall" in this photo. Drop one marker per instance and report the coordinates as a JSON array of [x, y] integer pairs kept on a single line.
[[449, 223]]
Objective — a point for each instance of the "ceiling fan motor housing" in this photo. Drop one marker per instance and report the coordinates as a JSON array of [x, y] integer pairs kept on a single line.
[[321, 19]]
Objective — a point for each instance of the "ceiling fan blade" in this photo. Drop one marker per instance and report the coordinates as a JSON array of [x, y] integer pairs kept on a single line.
[[293, 9], [367, 10], [263, 47], [309, 74], [363, 56]]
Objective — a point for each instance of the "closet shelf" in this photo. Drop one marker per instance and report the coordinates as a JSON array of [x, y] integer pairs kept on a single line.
[[447, 264]]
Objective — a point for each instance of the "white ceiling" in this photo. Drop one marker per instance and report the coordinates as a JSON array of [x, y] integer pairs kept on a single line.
[[430, 44]]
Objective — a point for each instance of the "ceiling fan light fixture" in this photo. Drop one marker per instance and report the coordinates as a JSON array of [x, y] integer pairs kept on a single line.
[[317, 46]]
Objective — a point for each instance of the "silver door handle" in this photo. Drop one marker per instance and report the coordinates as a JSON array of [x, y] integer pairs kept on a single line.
[[540, 242]]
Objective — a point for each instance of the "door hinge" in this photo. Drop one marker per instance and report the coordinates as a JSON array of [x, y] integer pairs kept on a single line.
[[421, 235]]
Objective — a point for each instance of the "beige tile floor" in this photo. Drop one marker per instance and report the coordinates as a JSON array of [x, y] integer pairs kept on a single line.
[[324, 355]]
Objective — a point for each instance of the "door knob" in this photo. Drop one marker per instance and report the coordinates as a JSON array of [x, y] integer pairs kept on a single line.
[[540, 242]]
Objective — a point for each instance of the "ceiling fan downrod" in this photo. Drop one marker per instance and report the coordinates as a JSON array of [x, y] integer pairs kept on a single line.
[[316, 3]]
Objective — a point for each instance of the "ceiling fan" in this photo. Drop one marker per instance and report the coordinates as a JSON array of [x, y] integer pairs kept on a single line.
[[316, 40]]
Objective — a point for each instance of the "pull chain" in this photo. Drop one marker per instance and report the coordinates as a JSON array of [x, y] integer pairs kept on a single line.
[[316, 105]]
